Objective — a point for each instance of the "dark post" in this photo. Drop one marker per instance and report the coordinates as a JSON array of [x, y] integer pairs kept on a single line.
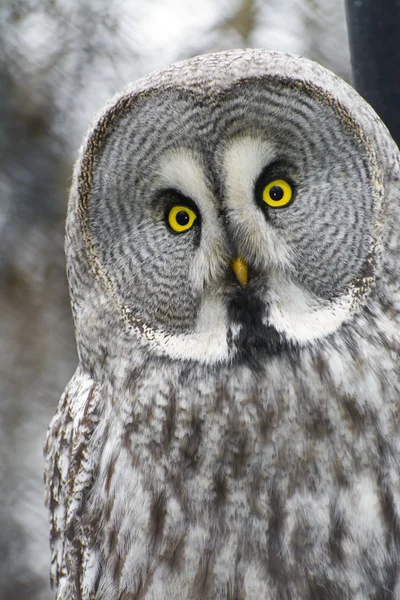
[[374, 37]]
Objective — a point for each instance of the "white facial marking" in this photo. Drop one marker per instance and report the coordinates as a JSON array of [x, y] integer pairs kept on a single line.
[[301, 316], [294, 311], [208, 340], [207, 346], [244, 160], [182, 170]]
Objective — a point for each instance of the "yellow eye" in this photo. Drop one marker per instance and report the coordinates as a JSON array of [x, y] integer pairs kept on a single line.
[[181, 218], [277, 193]]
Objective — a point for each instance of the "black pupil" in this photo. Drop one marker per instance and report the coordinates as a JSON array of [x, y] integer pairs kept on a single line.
[[276, 193], [182, 218]]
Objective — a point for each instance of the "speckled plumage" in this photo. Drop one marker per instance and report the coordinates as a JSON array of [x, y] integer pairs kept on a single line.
[[218, 442]]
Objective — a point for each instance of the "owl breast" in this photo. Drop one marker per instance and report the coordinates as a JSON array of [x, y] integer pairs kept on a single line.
[[233, 486]]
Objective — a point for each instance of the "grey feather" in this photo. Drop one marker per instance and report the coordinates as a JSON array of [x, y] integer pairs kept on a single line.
[[219, 442]]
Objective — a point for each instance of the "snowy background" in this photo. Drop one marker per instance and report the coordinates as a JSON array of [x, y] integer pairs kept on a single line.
[[60, 60]]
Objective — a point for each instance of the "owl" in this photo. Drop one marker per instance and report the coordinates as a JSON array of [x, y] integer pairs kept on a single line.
[[232, 431]]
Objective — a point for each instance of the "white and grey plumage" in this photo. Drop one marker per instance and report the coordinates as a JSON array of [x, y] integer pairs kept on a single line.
[[220, 441]]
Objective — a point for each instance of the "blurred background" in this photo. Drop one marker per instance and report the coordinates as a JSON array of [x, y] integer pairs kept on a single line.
[[60, 60]]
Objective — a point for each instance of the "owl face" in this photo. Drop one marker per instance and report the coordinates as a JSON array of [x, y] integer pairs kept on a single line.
[[229, 217]]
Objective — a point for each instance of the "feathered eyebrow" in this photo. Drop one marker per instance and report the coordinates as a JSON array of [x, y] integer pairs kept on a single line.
[[182, 171], [171, 196]]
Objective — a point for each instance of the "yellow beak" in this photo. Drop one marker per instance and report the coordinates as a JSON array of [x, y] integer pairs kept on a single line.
[[241, 271]]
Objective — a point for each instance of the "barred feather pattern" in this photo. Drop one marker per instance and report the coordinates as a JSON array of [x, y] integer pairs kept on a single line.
[[220, 443], [279, 484], [69, 473]]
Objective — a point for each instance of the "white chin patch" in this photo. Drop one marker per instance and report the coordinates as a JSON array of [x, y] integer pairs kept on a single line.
[[206, 343], [301, 316]]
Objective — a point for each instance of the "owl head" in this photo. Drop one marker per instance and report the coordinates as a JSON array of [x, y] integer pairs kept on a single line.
[[230, 207]]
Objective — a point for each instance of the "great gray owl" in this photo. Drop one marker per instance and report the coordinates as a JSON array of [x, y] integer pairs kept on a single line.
[[232, 429]]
